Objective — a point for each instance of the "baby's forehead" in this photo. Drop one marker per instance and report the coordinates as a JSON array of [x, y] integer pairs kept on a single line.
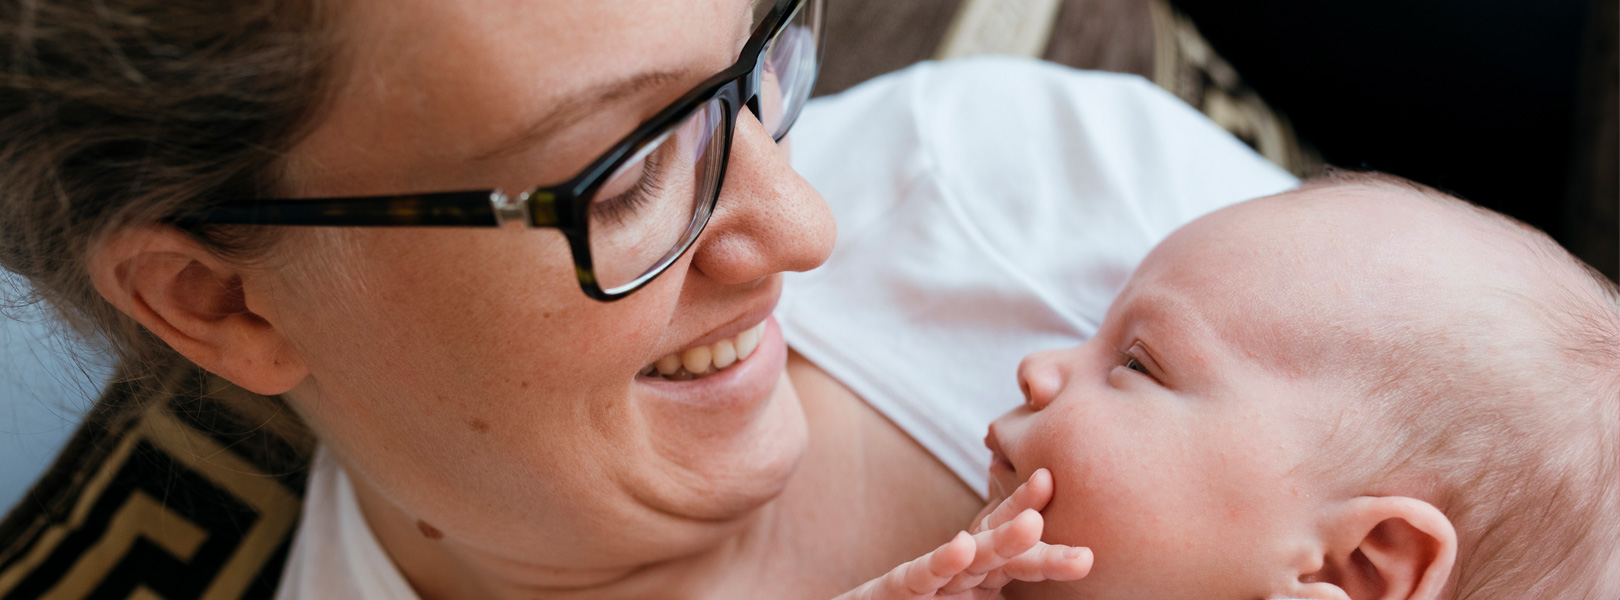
[[1339, 235], [1303, 281]]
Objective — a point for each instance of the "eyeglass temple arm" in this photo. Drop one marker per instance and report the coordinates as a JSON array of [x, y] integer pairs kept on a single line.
[[443, 209]]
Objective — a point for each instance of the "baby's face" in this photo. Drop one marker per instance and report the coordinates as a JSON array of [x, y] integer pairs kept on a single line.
[[1175, 435]]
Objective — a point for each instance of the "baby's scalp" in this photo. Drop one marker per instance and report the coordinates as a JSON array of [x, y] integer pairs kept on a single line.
[[1480, 364]]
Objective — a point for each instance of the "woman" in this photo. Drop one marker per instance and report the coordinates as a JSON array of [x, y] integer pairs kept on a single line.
[[605, 412]]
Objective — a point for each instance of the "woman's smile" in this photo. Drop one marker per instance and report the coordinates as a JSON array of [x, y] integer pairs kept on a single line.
[[706, 359], [745, 383]]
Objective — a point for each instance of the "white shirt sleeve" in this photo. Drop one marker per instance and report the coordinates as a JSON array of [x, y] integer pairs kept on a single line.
[[988, 208]]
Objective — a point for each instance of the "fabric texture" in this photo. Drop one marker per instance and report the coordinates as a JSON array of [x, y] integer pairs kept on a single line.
[[954, 261], [1151, 38], [195, 495]]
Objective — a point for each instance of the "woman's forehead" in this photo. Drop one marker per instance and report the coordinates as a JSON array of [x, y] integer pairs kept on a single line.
[[560, 42], [430, 85]]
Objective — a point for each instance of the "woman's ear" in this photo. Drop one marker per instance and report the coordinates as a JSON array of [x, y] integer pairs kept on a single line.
[[1381, 548], [196, 303]]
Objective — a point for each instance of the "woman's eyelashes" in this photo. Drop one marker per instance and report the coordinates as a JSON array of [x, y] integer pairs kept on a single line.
[[621, 207]]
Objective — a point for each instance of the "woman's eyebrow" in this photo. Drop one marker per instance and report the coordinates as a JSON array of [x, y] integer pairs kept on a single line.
[[573, 108]]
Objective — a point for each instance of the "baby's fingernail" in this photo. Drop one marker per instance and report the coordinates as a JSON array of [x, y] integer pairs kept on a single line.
[[1071, 553]]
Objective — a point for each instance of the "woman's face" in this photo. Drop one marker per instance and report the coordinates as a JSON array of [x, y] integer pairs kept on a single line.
[[460, 374]]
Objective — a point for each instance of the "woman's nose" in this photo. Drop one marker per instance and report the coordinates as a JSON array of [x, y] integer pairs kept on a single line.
[[1040, 377], [768, 218]]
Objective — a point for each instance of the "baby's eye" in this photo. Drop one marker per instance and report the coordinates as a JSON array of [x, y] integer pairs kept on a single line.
[[1138, 358]]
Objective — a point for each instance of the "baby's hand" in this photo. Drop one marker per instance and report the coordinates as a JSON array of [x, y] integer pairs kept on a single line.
[[1033, 494], [1005, 547]]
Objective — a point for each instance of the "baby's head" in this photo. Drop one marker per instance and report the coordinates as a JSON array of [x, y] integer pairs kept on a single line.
[[1359, 389]]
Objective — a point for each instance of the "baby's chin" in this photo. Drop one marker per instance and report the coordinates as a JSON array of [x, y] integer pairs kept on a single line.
[[1001, 486]]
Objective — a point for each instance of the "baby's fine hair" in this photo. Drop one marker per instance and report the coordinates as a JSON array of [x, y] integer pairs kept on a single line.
[[1514, 437]]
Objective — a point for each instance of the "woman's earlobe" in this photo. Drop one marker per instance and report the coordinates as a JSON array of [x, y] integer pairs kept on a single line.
[[196, 303], [1382, 548]]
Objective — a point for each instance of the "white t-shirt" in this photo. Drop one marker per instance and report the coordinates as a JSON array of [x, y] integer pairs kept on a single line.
[[986, 208]]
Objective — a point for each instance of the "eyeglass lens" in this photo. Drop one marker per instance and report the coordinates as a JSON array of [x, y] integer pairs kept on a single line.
[[644, 213], [658, 200], [790, 67]]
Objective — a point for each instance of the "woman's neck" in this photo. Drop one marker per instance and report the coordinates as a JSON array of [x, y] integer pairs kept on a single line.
[[864, 498]]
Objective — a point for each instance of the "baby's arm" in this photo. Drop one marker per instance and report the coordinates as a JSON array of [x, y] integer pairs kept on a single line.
[[1006, 546]]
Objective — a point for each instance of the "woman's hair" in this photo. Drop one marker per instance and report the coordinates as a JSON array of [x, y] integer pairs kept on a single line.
[[118, 113]]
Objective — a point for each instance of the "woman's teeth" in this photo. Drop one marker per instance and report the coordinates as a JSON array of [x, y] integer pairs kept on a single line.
[[701, 361]]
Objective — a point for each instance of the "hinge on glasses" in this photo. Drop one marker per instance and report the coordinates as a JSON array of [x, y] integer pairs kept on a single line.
[[510, 209]]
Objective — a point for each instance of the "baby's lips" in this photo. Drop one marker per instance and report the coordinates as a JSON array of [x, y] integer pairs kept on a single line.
[[991, 442], [1003, 475]]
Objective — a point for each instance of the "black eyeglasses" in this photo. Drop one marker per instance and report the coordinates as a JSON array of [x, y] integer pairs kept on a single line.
[[637, 208]]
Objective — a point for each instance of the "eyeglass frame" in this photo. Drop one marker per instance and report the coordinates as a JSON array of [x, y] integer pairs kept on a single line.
[[564, 206]]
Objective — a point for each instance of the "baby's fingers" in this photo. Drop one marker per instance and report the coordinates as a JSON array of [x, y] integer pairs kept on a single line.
[[1033, 494], [920, 578], [994, 548], [1042, 563]]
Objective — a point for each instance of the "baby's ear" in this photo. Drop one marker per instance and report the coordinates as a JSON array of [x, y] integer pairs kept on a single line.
[[1380, 548]]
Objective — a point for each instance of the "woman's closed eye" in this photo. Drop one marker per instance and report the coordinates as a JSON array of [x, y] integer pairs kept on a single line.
[[636, 183], [623, 206]]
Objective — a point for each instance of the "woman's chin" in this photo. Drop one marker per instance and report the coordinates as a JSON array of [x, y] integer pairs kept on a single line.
[[720, 464]]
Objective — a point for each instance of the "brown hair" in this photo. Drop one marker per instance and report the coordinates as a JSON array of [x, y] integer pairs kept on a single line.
[[1515, 440], [126, 112]]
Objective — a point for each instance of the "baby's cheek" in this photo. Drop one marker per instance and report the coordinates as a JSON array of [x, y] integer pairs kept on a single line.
[[1079, 501], [1101, 497]]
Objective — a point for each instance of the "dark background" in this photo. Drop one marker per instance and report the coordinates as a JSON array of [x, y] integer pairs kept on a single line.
[[1492, 100]]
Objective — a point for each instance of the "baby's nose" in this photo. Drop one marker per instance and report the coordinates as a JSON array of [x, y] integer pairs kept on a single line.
[[1040, 379]]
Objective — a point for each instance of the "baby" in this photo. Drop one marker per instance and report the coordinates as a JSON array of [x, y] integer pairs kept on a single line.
[[1361, 389]]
